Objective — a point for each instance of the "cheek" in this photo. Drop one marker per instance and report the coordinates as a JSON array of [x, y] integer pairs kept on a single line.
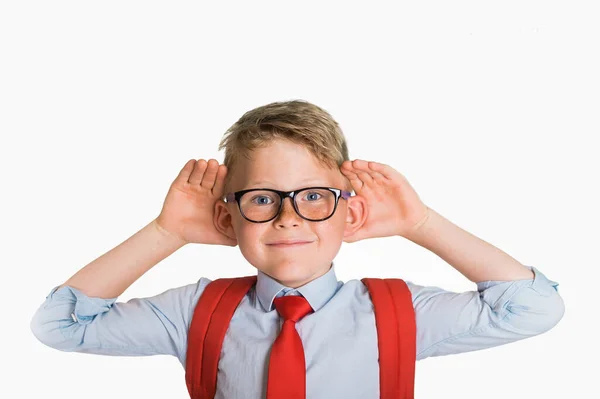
[[248, 236], [338, 220], [249, 249], [330, 239], [332, 229]]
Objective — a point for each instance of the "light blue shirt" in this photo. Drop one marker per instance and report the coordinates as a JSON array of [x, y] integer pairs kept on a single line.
[[339, 338]]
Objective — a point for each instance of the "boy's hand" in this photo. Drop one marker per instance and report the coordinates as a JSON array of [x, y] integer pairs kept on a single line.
[[393, 206], [188, 209]]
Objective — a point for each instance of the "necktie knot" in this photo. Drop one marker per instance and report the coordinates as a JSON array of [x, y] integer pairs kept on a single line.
[[292, 307]]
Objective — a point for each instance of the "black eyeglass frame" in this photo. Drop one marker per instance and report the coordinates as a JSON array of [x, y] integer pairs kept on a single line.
[[236, 196]]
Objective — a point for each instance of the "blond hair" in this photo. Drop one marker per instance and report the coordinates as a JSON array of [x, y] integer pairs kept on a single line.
[[299, 121]]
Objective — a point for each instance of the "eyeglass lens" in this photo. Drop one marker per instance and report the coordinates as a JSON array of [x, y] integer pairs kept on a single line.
[[312, 204]]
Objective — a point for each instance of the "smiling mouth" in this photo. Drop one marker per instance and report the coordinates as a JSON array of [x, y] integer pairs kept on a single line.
[[292, 245]]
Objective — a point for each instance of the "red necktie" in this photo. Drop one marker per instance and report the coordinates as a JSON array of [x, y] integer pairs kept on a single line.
[[287, 367]]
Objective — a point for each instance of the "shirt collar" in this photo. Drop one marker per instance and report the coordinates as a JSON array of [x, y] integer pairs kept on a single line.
[[317, 292]]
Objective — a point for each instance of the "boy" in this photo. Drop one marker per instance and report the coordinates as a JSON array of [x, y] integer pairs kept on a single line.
[[292, 242]]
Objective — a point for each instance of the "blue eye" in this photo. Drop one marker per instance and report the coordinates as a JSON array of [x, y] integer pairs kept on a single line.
[[259, 199], [312, 194]]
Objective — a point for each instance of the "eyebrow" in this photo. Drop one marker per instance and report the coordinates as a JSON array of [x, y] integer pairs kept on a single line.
[[302, 183]]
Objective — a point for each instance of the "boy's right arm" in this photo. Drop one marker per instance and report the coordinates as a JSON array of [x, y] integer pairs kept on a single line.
[[186, 217], [112, 273], [81, 314]]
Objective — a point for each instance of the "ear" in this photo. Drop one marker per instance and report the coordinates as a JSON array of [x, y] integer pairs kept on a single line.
[[355, 217], [222, 219]]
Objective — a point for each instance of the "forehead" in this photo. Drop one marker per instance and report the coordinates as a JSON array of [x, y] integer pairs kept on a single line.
[[285, 166]]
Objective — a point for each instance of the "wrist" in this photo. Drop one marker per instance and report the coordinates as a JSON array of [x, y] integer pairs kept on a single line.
[[167, 234], [419, 230]]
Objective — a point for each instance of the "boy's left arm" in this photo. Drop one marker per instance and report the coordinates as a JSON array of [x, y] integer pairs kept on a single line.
[[512, 301]]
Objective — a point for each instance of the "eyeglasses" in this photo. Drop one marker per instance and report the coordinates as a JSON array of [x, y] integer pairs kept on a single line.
[[260, 205]]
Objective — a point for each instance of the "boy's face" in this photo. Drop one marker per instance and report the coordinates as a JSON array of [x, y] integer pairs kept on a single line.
[[286, 166]]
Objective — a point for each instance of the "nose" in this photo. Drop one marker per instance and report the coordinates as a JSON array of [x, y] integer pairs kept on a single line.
[[288, 215]]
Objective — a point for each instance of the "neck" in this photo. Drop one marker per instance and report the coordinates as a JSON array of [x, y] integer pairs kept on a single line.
[[297, 284]]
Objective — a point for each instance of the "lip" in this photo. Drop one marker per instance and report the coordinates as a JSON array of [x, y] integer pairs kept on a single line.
[[288, 243]]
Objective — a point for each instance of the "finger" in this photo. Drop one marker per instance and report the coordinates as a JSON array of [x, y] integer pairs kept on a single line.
[[184, 173], [346, 169], [353, 167], [346, 165], [220, 181], [369, 177], [199, 168], [378, 177], [387, 171], [361, 168], [208, 180], [360, 164], [365, 177], [369, 172], [357, 184]]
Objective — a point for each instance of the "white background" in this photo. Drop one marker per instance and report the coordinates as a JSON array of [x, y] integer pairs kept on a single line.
[[491, 111]]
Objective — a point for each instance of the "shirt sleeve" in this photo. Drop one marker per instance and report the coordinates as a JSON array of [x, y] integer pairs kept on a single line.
[[499, 312], [70, 321]]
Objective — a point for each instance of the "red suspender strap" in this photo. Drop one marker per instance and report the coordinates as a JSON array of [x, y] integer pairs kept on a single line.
[[396, 334], [210, 322]]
